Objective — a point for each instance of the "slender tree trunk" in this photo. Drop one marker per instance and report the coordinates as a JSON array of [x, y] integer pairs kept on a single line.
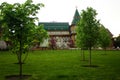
[[20, 60]]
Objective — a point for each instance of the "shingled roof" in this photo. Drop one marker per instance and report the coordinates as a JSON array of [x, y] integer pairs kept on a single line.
[[55, 26], [76, 18]]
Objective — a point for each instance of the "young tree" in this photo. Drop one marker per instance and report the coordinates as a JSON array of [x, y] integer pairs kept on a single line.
[[104, 37], [19, 26], [88, 30], [79, 39]]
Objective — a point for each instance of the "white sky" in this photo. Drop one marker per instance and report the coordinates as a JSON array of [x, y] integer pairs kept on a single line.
[[63, 11]]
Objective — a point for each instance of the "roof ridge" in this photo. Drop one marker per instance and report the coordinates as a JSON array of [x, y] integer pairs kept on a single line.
[[55, 26]]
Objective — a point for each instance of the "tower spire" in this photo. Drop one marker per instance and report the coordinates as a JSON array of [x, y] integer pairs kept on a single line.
[[76, 17]]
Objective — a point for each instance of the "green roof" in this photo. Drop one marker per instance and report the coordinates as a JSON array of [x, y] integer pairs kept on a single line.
[[76, 17], [55, 26]]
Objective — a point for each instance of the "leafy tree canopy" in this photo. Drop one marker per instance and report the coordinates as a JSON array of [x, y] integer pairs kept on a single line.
[[18, 21], [88, 28], [40, 34], [105, 38]]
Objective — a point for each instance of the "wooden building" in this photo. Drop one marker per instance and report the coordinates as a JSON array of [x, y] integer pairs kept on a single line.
[[59, 31], [63, 33]]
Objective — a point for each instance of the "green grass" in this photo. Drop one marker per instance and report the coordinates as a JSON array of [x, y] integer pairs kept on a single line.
[[63, 65]]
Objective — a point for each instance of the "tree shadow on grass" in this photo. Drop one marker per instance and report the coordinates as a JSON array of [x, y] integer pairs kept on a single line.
[[17, 77], [92, 66], [84, 60], [19, 63]]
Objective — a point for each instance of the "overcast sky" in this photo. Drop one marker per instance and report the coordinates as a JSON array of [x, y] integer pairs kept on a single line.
[[63, 11]]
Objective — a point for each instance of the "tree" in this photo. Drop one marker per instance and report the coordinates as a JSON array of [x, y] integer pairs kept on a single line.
[[104, 37], [88, 30], [79, 39], [19, 26], [1, 27]]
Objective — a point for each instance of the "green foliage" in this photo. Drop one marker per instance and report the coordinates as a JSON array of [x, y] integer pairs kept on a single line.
[[19, 26], [87, 29], [104, 38], [40, 34]]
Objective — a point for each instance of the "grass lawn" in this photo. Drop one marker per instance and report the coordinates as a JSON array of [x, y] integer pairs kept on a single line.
[[63, 65]]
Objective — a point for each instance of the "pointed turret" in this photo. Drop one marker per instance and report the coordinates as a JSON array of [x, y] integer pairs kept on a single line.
[[76, 18]]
